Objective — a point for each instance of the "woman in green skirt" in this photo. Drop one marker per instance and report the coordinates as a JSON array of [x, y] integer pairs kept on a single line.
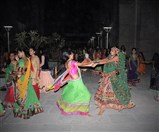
[[113, 91], [27, 103], [75, 97]]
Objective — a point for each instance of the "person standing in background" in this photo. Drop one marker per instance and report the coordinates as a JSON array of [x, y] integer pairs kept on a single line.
[[123, 49], [46, 80], [141, 69], [154, 82], [35, 70], [133, 67], [113, 91], [75, 97]]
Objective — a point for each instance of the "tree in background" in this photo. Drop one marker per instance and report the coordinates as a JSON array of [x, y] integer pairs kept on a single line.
[[52, 43]]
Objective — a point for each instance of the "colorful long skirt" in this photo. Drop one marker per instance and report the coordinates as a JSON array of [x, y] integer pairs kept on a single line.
[[2, 111], [141, 68], [75, 99], [37, 90], [10, 96], [46, 81], [132, 74], [106, 97], [30, 106]]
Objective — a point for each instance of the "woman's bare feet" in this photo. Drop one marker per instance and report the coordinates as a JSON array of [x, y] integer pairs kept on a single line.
[[101, 112], [131, 105], [102, 109]]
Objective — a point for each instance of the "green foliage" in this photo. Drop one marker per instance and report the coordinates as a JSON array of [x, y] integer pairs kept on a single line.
[[55, 40], [33, 38]]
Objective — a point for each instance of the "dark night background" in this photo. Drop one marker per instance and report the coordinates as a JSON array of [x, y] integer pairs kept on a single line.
[[75, 20], [135, 23]]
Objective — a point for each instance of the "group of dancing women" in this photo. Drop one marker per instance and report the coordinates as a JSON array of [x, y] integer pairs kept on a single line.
[[24, 81]]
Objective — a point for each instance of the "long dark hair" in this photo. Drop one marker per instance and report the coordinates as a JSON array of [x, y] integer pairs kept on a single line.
[[9, 61], [33, 47], [133, 49], [142, 55], [122, 48], [65, 55], [21, 49]]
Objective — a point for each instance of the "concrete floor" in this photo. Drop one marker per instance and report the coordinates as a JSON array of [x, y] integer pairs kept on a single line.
[[143, 118]]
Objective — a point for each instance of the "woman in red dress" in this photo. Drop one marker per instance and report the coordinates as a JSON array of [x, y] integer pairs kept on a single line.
[[9, 79]]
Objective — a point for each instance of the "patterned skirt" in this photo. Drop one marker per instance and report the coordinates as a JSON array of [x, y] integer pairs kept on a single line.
[[29, 106], [105, 96]]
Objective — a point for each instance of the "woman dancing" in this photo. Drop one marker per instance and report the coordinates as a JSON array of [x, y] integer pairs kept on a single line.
[[10, 77], [75, 97], [27, 103], [113, 90]]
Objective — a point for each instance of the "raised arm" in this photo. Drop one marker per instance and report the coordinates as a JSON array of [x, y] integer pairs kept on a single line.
[[85, 64], [105, 61]]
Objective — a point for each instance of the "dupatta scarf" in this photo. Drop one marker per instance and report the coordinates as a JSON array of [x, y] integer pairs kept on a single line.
[[23, 81]]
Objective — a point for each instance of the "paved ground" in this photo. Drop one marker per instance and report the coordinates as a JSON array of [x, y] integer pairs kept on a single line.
[[143, 118]]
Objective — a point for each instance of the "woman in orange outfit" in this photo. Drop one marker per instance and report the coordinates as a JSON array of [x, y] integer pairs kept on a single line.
[[141, 68]]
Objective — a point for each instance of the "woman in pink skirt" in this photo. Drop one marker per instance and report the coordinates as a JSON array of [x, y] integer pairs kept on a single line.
[[46, 80]]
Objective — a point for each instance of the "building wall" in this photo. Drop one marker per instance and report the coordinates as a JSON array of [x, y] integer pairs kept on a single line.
[[139, 25]]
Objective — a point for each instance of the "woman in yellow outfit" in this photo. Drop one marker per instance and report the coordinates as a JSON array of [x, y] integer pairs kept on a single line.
[[27, 103]]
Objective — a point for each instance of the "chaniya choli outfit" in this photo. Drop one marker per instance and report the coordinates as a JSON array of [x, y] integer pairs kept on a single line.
[[27, 103], [133, 73], [10, 79], [75, 98], [46, 80], [35, 74], [113, 91]]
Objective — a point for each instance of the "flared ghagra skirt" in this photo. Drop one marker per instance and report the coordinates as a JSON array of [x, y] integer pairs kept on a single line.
[[75, 99]]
